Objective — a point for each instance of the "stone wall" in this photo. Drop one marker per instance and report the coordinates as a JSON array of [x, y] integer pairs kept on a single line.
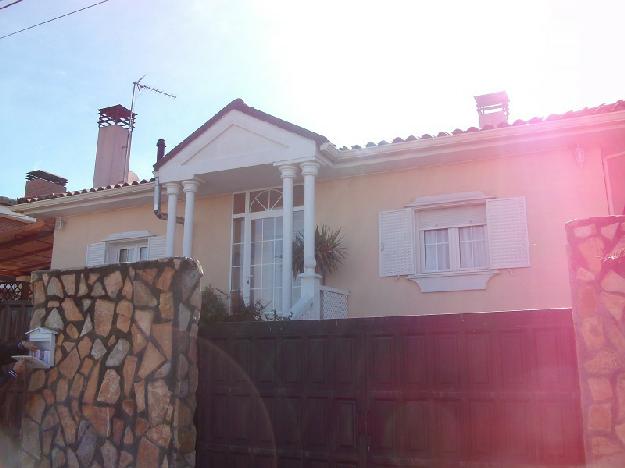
[[122, 392], [597, 275]]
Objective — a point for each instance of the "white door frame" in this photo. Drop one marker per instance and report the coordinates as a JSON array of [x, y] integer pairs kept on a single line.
[[246, 261]]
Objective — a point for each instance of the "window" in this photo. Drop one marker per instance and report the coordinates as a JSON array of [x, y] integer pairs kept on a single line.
[[453, 242], [473, 247], [436, 243], [128, 251], [126, 247], [452, 238]]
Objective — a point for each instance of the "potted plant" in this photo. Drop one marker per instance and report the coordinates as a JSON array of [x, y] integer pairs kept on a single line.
[[329, 251]]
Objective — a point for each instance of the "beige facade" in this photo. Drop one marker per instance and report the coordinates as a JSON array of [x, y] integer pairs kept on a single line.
[[557, 188], [471, 221]]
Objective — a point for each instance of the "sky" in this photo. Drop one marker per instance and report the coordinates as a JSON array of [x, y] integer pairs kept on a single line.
[[354, 71]]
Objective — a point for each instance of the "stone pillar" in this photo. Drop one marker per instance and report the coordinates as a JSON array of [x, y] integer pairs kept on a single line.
[[189, 187], [172, 204], [597, 274], [122, 392], [287, 172], [311, 281]]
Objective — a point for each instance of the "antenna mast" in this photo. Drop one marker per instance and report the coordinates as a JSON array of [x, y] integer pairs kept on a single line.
[[137, 87]]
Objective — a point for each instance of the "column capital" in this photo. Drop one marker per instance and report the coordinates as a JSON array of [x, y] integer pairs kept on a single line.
[[310, 168], [190, 185], [173, 188], [287, 171]]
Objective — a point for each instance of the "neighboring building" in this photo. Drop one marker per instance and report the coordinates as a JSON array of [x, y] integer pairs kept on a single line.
[[466, 221], [26, 242]]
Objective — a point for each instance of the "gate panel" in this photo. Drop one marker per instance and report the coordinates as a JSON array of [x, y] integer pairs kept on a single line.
[[497, 388]]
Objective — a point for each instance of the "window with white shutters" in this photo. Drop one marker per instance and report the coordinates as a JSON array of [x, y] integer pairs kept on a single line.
[[96, 254], [156, 247], [397, 255], [454, 246], [119, 249], [508, 242]]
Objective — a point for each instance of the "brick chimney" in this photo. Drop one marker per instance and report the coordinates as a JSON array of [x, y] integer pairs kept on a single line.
[[40, 183], [492, 108], [112, 159]]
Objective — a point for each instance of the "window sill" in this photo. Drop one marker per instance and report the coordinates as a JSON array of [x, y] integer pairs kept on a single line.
[[453, 280]]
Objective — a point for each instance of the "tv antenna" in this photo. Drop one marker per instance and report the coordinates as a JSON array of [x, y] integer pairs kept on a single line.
[[137, 87]]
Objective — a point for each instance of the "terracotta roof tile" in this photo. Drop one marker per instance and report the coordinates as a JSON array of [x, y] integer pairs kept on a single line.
[[601, 109], [85, 190]]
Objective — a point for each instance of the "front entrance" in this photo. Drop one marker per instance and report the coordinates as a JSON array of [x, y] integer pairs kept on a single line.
[[256, 271]]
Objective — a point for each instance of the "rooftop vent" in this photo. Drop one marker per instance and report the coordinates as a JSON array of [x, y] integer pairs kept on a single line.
[[492, 108]]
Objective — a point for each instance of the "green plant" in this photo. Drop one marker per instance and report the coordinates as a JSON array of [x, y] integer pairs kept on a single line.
[[329, 251], [219, 306]]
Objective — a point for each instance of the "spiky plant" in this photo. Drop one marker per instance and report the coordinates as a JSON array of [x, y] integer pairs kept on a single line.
[[329, 251]]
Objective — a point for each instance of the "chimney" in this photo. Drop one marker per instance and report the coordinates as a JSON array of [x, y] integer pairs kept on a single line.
[[112, 159], [492, 108], [40, 183], [160, 149]]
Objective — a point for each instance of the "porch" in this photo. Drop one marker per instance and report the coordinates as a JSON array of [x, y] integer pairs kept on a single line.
[[271, 168]]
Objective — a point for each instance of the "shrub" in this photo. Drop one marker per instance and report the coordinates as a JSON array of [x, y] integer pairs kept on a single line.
[[219, 306]]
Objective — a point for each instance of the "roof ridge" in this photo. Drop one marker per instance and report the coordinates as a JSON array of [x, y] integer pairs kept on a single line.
[[600, 109]]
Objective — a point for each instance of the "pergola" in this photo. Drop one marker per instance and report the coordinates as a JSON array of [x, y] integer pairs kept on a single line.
[[25, 245]]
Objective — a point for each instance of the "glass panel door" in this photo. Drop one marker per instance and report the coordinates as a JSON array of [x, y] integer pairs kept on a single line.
[[256, 262], [266, 263]]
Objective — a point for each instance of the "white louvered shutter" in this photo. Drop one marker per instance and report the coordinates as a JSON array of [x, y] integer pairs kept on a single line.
[[96, 254], [156, 247], [397, 243], [506, 223]]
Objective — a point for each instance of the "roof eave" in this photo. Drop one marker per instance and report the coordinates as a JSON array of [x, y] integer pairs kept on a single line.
[[486, 137], [115, 197]]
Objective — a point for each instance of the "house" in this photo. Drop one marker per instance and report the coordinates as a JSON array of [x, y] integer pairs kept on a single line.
[[466, 221]]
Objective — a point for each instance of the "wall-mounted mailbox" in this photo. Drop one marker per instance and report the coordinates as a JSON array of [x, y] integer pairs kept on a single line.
[[43, 356]]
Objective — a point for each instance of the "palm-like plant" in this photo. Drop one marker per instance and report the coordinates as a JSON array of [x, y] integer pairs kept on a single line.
[[329, 251]]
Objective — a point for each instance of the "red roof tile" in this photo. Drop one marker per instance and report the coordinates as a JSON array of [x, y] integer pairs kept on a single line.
[[78, 192], [602, 109]]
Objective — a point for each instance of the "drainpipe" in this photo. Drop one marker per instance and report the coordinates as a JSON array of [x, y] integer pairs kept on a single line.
[[160, 152]]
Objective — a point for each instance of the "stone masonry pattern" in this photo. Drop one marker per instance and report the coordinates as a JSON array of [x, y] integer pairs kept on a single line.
[[122, 391], [597, 272]]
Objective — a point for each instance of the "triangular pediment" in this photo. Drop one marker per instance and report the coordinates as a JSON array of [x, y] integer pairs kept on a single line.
[[236, 140]]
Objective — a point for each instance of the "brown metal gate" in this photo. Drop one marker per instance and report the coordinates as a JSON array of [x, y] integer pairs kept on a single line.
[[471, 389], [14, 320]]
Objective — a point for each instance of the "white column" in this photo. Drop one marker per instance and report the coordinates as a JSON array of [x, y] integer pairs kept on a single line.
[[189, 187], [309, 171], [310, 280], [172, 202], [287, 172]]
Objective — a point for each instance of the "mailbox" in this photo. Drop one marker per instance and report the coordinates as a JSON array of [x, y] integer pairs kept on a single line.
[[43, 356]]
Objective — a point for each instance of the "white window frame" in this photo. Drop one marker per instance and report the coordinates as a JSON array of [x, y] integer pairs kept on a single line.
[[106, 251], [455, 278], [453, 237], [246, 252], [134, 247]]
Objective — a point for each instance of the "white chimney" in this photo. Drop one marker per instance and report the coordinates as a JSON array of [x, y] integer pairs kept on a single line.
[[492, 108], [112, 159]]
